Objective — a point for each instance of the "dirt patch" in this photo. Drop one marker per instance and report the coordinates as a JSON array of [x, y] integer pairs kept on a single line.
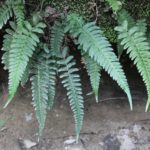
[[108, 125]]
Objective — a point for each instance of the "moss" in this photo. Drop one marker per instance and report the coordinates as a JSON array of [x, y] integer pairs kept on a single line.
[[87, 9]]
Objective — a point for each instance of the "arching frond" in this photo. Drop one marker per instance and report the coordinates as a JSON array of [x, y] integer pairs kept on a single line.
[[22, 46], [71, 81], [135, 41], [98, 48]]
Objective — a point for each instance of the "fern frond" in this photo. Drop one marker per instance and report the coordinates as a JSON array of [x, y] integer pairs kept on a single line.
[[18, 9], [57, 35], [115, 4], [22, 47], [121, 16], [40, 94], [142, 25], [71, 81], [5, 13], [50, 68], [98, 48], [135, 41], [124, 15], [93, 70]]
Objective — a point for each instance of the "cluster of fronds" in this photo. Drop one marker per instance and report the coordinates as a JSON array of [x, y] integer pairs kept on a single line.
[[26, 55]]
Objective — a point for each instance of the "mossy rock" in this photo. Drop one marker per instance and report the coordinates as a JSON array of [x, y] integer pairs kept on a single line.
[[101, 12]]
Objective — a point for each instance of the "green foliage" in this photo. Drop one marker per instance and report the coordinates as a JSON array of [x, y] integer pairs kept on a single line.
[[57, 36], [71, 81], [5, 13], [93, 70], [134, 40], [40, 93], [99, 49], [115, 4], [23, 45], [38, 52], [19, 12]]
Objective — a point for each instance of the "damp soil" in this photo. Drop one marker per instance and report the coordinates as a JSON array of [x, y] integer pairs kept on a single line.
[[108, 125]]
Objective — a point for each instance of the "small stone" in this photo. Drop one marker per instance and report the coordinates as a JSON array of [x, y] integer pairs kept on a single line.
[[28, 117], [69, 141], [28, 144], [111, 142]]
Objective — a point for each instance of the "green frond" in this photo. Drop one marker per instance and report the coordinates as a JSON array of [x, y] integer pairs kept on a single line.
[[90, 37], [5, 13], [22, 46], [40, 94], [93, 70], [18, 9], [115, 4], [142, 25], [124, 15], [50, 68], [121, 16], [57, 35], [26, 74], [71, 81], [135, 41]]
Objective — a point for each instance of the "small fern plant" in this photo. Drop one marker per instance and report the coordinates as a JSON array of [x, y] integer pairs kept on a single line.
[[27, 55], [133, 37]]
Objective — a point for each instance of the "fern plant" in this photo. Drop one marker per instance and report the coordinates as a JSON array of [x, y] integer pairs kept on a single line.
[[135, 41], [27, 55], [132, 36]]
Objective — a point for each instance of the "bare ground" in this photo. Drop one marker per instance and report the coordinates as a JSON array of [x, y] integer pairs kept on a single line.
[[108, 125]]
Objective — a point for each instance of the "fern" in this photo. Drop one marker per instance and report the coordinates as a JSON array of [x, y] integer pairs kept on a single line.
[[135, 41], [91, 39], [93, 70], [40, 94], [57, 36], [50, 68], [5, 13], [122, 15], [115, 4], [71, 81], [141, 24], [22, 47], [19, 12]]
